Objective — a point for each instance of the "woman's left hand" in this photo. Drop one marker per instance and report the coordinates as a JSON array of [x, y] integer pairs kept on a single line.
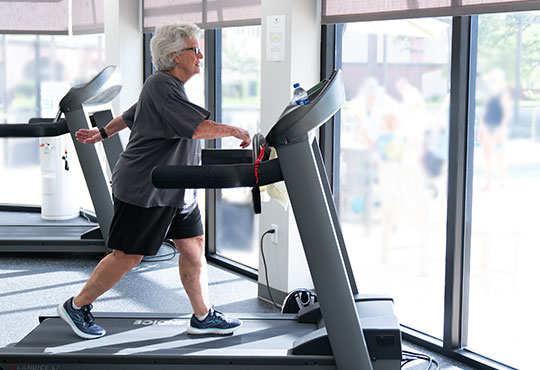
[[88, 136]]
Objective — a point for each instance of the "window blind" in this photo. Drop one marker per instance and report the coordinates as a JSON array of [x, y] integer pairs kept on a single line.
[[205, 13], [340, 11], [34, 16], [87, 16]]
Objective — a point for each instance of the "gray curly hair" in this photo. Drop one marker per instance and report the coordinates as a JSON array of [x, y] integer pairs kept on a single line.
[[168, 40]]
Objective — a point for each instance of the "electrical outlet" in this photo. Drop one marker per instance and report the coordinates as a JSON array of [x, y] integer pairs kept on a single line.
[[274, 236]]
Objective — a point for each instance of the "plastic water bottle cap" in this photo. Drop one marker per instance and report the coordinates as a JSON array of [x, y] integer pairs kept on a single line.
[[296, 85]]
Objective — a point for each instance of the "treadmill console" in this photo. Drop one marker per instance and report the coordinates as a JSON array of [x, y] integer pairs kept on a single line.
[[296, 121], [100, 90]]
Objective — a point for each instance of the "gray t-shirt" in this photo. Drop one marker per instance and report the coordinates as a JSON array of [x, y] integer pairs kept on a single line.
[[162, 124]]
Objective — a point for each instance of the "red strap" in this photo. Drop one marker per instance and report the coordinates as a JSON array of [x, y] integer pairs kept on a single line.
[[256, 166]]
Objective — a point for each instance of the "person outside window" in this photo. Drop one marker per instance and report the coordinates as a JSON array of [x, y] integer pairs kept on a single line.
[[494, 126]]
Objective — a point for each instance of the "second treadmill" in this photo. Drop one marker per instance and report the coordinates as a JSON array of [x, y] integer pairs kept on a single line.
[[86, 106]]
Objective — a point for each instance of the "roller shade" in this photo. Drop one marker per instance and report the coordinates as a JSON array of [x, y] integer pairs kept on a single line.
[[34, 16], [205, 13], [87, 16], [340, 11]]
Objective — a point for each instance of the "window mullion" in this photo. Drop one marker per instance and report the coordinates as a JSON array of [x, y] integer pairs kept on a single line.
[[331, 45], [147, 56], [459, 183], [212, 90]]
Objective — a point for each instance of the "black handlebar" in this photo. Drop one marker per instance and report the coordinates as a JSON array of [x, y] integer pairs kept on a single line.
[[36, 128], [216, 176]]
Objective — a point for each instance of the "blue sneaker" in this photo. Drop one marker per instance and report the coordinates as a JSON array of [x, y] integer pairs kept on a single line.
[[81, 321], [215, 323]]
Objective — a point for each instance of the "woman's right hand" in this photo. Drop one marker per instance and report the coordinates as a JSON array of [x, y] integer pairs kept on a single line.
[[243, 135], [88, 136]]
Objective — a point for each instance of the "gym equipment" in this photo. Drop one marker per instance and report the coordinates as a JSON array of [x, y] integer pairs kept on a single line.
[[297, 299], [343, 330], [85, 106]]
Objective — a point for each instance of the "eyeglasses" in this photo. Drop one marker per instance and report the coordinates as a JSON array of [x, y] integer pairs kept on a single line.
[[196, 49]]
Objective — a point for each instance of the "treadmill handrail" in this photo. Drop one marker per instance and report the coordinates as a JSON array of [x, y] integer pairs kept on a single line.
[[216, 176], [34, 129]]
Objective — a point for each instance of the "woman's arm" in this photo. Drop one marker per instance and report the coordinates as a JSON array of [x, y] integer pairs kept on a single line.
[[213, 130], [93, 136]]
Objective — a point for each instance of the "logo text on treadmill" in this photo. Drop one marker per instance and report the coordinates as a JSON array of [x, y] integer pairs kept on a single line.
[[35, 367], [160, 322]]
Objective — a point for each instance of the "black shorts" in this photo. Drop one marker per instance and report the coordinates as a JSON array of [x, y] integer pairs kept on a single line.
[[137, 230]]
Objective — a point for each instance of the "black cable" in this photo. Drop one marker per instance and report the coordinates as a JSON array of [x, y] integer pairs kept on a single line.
[[162, 257], [85, 216], [271, 231], [413, 356]]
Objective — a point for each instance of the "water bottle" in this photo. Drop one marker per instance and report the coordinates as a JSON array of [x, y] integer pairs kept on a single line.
[[300, 95]]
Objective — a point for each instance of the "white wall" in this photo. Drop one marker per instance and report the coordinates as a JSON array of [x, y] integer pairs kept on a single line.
[[287, 266], [124, 48]]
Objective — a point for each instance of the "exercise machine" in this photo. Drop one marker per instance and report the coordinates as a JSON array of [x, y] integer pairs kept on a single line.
[[343, 330], [86, 106]]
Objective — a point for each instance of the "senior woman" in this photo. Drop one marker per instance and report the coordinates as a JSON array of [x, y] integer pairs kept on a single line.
[[165, 130]]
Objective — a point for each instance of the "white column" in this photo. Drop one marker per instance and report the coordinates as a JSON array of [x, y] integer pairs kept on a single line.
[[124, 48], [287, 266]]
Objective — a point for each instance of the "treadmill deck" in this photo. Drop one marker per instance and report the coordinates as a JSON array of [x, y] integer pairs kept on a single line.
[[22, 231], [152, 341], [143, 335]]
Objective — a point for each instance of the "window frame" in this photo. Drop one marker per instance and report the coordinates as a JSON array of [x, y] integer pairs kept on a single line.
[[213, 98], [330, 132]]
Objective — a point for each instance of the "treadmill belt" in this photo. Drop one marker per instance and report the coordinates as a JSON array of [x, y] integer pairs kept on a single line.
[[43, 233], [19, 218], [22, 231], [129, 336]]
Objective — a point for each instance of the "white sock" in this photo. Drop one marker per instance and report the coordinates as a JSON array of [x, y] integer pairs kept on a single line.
[[201, 318], [75, 306]]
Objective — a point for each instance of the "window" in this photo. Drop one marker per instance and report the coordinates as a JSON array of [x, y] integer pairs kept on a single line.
[[394, 145], [236, 224], [35, 73], [506, 178]]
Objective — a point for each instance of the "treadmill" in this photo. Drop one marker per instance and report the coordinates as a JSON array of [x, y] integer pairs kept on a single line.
[[21, 227], [343, 330]]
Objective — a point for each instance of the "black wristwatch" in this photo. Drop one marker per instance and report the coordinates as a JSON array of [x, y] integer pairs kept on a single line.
[[103, 133]]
